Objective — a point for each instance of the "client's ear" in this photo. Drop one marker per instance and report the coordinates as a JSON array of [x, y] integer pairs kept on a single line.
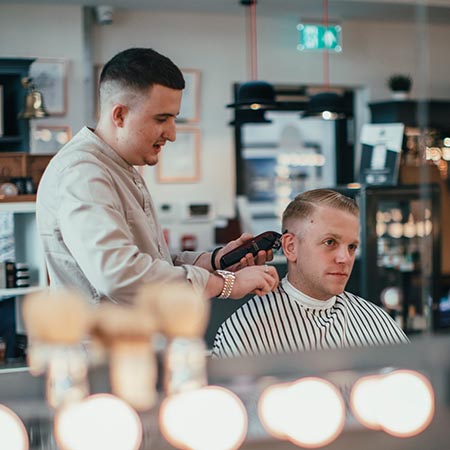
[[118, 114], [289, 244]]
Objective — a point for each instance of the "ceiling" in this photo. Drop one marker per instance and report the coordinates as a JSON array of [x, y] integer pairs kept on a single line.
[[436, 11]]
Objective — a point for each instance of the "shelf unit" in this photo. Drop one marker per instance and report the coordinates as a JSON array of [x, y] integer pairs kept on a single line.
[[28, 249]]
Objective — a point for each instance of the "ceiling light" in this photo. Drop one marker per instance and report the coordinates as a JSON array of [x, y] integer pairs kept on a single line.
[[252, 95], [326, 105]]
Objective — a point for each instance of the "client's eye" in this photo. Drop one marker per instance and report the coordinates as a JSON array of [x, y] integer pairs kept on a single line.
[[353, 247]]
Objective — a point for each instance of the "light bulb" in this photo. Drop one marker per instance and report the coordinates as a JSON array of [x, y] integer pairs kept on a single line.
[[409, 228], [272, 407], [420, 228], [395, 229], [408, 403], [380, 228], [327, 115], [99, 421], [210, 418], [391, 297], [320, 413], [365, 401], [310, 412], [13, 435]]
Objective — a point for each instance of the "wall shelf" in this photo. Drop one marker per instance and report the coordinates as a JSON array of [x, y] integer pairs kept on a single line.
[[13, 292]]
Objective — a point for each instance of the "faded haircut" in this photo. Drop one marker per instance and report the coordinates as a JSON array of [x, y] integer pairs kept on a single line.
[[135, 70], [304, 204], [141, 68]]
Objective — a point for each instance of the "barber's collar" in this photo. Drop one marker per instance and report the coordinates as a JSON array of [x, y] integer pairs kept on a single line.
[[305, 300]]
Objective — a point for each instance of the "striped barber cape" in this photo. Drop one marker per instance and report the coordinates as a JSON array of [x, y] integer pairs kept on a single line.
[[286, 320]]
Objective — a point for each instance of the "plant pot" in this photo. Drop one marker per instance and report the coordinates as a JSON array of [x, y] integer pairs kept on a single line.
[[400, 95]]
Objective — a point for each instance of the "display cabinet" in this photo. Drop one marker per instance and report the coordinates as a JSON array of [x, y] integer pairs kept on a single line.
[[20, 244], [398, 266], [27, 246]]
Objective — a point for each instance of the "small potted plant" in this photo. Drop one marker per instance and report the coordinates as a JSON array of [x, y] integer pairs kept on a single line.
[[400, 85]]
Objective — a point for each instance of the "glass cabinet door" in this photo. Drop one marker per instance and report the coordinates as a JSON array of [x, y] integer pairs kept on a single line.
[[401, 267], [398, 263]]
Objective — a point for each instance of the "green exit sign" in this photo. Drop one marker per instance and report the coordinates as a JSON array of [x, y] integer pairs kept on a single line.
[[319, 37]]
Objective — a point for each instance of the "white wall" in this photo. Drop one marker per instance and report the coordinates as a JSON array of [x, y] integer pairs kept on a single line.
[[216, 45], [47, 32]]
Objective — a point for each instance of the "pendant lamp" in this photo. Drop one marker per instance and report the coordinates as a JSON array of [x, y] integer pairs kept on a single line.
[[253, 97], [242, 116], [327, 105]]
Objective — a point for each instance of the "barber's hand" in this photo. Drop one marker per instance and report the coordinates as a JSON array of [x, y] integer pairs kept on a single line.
[[256, 279], [261, 258]]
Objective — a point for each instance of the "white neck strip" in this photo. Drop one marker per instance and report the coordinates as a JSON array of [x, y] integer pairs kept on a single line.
[[305, 300]]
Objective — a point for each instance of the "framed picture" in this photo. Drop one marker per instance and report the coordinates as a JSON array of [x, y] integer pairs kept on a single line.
[[179, 162], [49, 138], [50, 78], [190, 102]]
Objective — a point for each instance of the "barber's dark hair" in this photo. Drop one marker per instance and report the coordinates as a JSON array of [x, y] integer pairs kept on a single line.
[[141, 68], [305, 203]]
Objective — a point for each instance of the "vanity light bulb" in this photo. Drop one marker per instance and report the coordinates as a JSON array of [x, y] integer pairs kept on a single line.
[[13, 435], [208, 418], [320, 413], [272, 407], [365, 401], [310, 412], [99, 421], [408, 403]]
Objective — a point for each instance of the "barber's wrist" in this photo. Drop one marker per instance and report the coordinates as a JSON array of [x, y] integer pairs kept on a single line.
[[214, 267], [229, 279]]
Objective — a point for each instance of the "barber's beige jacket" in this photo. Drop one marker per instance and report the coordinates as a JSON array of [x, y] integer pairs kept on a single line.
[[98, 225]]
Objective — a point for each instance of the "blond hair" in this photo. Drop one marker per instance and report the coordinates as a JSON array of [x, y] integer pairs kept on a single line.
[[305, 203]]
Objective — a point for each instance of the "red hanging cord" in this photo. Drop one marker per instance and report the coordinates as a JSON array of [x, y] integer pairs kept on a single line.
[[252, 41]]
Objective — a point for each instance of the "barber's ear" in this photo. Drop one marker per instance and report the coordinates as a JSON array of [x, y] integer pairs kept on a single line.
[[118, 114], [289, 244]]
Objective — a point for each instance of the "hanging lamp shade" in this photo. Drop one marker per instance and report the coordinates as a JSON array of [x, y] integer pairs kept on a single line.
[[326, 105], [254, 95], [242, 116]]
